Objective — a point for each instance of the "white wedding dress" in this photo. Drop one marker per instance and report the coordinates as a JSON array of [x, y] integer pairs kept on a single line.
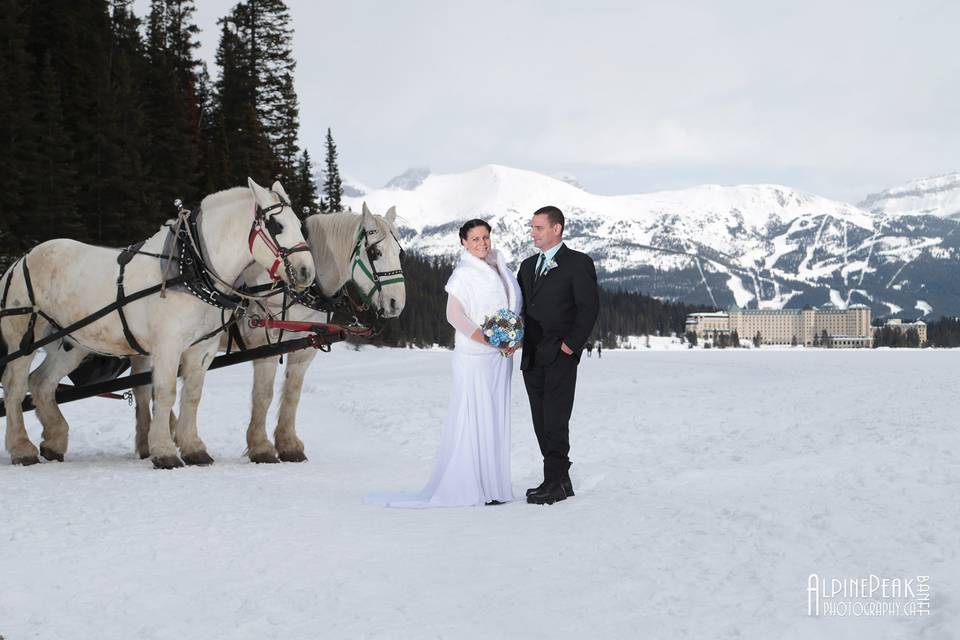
[[473, 463]]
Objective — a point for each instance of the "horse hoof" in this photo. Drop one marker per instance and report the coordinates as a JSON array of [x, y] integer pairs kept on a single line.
[[25, 461], [50, 454], [264, 458], [198, 458], [293, 456], [144, 455], [166, 462]]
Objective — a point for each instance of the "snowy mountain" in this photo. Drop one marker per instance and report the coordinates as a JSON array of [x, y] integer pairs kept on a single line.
[[409, 179], [352, 188], [765, 246], [569, 179], [939, 196]]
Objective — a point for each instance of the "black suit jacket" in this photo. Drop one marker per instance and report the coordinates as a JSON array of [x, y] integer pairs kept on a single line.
[[561, 306]]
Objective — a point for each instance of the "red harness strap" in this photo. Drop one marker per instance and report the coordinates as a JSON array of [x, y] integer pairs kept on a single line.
[[315, 327], [256, 231]]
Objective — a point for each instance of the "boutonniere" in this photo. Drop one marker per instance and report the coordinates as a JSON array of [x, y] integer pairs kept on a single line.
[[551, 264]]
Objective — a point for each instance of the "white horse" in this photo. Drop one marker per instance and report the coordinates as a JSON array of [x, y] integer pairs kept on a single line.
[[71, 281], [342, 258], [360, 252]]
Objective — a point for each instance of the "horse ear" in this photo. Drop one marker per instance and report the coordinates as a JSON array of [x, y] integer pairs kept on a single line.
[[391, 215], [259, 193], [278, 188], [367, 216]]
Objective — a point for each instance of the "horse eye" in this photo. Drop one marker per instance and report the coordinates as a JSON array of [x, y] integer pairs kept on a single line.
[[274, 226]]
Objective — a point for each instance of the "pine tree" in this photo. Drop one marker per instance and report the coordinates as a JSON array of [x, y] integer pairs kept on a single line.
[[17, 138], [912, 338], [79, 39], [132, 188], [265, 35], [205, 123], [332, 185], [173, 108], [304, 193], [944, 332], [238, 145], [181, 41], [53, 198]]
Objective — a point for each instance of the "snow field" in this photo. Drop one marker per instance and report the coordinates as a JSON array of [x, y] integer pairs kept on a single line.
[[710, 484]]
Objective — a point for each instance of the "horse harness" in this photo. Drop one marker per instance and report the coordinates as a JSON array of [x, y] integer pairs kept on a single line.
[[314, 298], [374, 276]]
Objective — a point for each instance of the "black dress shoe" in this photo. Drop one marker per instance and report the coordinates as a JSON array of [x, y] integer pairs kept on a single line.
[[551, 492], [567, 486], [492, 502], [539, 487]]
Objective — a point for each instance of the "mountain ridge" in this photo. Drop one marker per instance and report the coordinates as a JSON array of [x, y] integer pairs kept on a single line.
[[937, 195], [766, 246]]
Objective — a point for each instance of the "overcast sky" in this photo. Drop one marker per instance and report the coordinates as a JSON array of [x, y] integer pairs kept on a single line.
[[838, 98]]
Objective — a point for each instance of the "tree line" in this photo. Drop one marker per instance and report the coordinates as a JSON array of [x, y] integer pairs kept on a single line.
[[892, 336], [944, 332], [105, 118], [624, 313]]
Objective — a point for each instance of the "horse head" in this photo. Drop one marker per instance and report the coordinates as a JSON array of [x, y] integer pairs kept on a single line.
[[382, 283], [276, 239], [361, 254]]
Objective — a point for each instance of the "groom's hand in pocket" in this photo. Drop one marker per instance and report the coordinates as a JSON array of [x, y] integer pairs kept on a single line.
[[567, 350]]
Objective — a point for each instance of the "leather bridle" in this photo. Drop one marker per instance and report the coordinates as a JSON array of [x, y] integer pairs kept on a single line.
[[265, 230], [375, 277]]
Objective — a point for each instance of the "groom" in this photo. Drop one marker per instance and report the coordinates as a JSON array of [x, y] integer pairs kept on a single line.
[[560, 306]]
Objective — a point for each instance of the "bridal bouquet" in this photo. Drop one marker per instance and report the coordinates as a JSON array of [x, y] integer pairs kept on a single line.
[[503, 329]]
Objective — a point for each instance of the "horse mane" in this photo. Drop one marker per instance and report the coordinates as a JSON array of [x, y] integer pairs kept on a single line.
[[225, 197], [332, 256], [339, 233]]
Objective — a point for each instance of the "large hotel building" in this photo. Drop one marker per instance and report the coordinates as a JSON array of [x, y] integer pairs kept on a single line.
[[848, 327]]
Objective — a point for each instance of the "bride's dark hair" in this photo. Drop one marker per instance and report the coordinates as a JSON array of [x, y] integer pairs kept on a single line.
[[470, 224]]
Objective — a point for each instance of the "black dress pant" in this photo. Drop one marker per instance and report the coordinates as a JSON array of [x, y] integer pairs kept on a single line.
[[551, 389]]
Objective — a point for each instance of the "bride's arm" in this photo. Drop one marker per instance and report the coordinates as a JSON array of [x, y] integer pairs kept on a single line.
[[457, 317]]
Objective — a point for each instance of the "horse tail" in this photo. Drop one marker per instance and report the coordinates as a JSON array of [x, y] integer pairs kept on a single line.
[[3, 353], [5, 282], [3, 303]]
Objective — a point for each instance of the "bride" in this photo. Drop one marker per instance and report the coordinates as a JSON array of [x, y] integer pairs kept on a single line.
[[473, 464]]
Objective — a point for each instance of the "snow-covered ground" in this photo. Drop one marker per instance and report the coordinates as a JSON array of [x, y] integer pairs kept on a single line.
[[710, 485]]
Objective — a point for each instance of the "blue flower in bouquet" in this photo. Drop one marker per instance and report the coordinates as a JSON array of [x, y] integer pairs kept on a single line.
[[504, 328]]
